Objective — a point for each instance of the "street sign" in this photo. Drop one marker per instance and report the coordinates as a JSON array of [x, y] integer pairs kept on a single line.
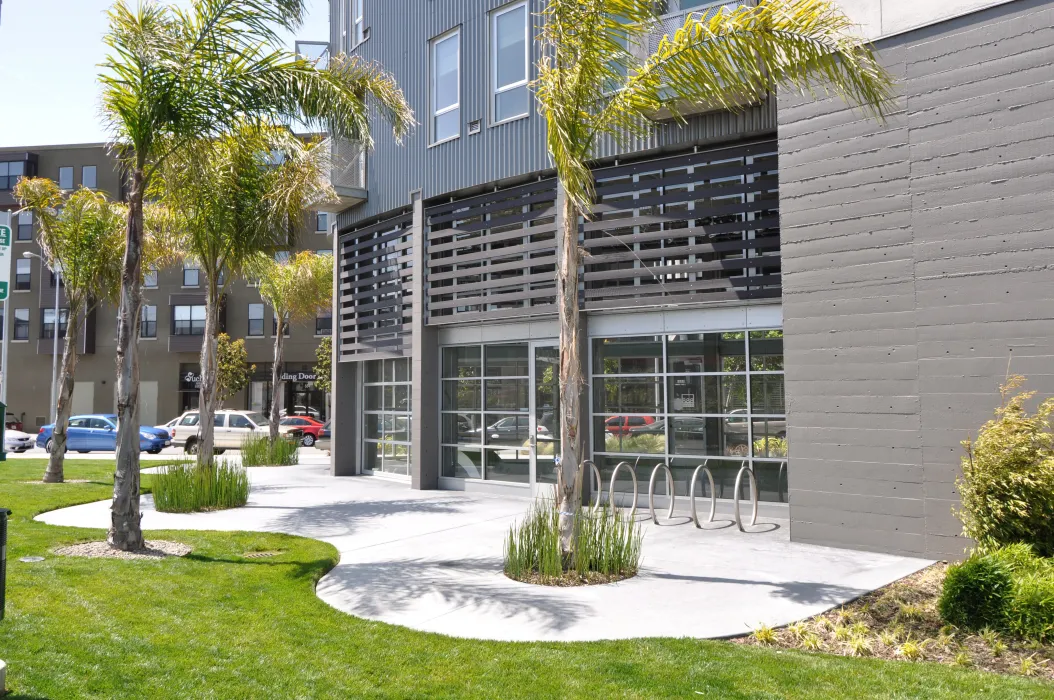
[[5, 255]]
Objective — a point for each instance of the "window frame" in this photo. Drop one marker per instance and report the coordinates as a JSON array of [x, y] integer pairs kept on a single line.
[[249, 324], [94, 176], [495, 89], [434, 113], [23, 281], [25, 222], [47, 330], [187, 267], [20, 323], [150, 277], [61, 169], [319, 216], [148, 326], [189, 321], [358, 22]]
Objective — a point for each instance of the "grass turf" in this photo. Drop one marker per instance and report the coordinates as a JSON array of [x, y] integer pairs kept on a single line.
[[218, 624]]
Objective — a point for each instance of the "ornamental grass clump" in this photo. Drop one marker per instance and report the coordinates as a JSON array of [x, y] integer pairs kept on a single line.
[[260, 451], [605, 547], [188, 487]]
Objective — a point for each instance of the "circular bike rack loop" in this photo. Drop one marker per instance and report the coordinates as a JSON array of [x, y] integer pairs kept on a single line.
[[595, 473], [713, 494], [651, 491], [611, 488], [753, 496]]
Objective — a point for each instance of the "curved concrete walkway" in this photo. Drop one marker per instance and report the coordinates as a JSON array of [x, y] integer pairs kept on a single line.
[[432, 561]]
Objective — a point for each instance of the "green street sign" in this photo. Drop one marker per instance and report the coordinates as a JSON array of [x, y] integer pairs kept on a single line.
[[5, 256]]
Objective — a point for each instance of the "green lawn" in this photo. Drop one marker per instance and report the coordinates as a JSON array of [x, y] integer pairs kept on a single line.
[[218, 625]]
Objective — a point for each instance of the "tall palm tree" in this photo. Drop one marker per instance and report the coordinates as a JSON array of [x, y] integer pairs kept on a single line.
[[178, 73], [597, 77], [297, 289], [241, 194]]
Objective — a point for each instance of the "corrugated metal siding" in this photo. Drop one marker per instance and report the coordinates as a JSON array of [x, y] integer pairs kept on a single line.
[[400, 31]]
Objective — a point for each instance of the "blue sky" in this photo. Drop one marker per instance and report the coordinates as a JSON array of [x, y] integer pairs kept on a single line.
[[49, 51]]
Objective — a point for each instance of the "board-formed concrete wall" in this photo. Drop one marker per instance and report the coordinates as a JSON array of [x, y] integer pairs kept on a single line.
[[918, 259]]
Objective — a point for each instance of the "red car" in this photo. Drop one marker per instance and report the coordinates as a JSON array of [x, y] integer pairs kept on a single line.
[[621, 425], [308, 425]]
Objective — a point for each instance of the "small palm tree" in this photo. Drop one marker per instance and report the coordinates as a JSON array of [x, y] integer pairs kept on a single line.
[[597, 78], [297, 289], [241, 194], [180, 73]]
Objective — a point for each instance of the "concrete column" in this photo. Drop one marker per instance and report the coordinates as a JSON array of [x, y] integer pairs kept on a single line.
[[424, 368], [345, 419]]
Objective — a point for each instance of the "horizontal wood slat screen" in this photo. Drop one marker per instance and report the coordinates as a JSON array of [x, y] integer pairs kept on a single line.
[[376, 270]]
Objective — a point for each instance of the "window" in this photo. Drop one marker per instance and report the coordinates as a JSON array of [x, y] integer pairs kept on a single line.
[[285, 326], [47, 328], [148, 322], [88, 178], [256, 320], [322, 222], [188, 320], [52, 278], [21, 324], [281, 257], [509, 62], [358, 32], [66, 177], [237, 420], [446, 87], [324, 251], [150, 277], [689, 399], [324, 323], [10, 172], [25, 226], [388, 394], [23, 275], [191, 274], [189, 419]]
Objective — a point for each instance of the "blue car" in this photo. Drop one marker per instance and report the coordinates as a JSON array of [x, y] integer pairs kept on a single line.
[[98, 432]]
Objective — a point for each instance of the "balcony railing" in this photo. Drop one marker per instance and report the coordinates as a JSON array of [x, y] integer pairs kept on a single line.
[[347, 174]]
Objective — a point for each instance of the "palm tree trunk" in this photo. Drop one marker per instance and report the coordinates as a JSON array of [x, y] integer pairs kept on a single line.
[[207, 393], [54, 473], [568, 478], [276, 375], [125, 526]]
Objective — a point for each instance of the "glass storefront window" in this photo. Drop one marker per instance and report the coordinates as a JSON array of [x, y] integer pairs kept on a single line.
[[485, 403], [387, 396], [689, 399]]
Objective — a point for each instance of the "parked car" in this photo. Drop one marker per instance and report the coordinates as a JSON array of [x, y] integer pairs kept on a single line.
[[309, 411], [170, 427], [309, 426], [324, 439], [11, 422], [231, 429], [97, 432], [17, 441], [621, 425], [736, 423]]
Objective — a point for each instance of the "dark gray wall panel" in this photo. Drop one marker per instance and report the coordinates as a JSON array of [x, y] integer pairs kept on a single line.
[[916, 263], [400, 31]]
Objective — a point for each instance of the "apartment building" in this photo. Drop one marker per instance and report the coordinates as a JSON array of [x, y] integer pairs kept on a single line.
[[829, 301], [171, 323]]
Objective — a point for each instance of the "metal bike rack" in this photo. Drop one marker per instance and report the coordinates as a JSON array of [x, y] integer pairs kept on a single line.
[[651, 491], [611, 488], [713, 494], [596, 480], [753, 496]]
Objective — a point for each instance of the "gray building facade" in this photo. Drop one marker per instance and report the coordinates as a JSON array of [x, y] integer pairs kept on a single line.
[[826, 300], [170, 339]]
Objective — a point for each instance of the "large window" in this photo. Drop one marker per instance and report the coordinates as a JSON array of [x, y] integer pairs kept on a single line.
[[285, 325], [148, 322], [485, 406], [324, 323], [23, 274], [21, 324], [386, 401], [10, 172], [446, 87], [321, 222], [509, 45], [47, 327], [150, 277], [191, 274], [88, 177], [691, 399], [256, 321], [188, 320], [66, 177], [25, 226], [358, 25]]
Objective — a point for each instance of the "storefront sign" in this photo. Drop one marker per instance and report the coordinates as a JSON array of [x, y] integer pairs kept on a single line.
[[299, 376], [189, 381]]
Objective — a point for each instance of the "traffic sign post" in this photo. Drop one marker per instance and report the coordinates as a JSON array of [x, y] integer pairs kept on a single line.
[[5, 291]]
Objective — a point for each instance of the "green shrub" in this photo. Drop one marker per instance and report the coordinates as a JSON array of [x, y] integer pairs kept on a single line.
[[1007, 484], [975, 593], [639, 443], [607, 545], [187, 487], [258, 451]]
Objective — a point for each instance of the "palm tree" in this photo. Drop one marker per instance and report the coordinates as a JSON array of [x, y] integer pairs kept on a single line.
[[179, 73], [297, 289], [240, 194], [81, 234], [597, 78]]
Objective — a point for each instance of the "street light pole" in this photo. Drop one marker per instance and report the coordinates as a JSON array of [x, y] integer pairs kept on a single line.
[[57, 270]]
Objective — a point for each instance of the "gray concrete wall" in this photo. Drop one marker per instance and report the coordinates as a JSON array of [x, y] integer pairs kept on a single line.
[[917, 261]]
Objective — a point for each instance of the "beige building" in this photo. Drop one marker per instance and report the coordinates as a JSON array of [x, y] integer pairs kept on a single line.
[[171, 323]]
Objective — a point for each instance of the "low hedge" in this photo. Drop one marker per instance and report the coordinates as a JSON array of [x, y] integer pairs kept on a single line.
[[1009, 589]]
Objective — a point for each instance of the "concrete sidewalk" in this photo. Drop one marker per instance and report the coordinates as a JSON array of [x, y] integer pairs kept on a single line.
[[432, 561]]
